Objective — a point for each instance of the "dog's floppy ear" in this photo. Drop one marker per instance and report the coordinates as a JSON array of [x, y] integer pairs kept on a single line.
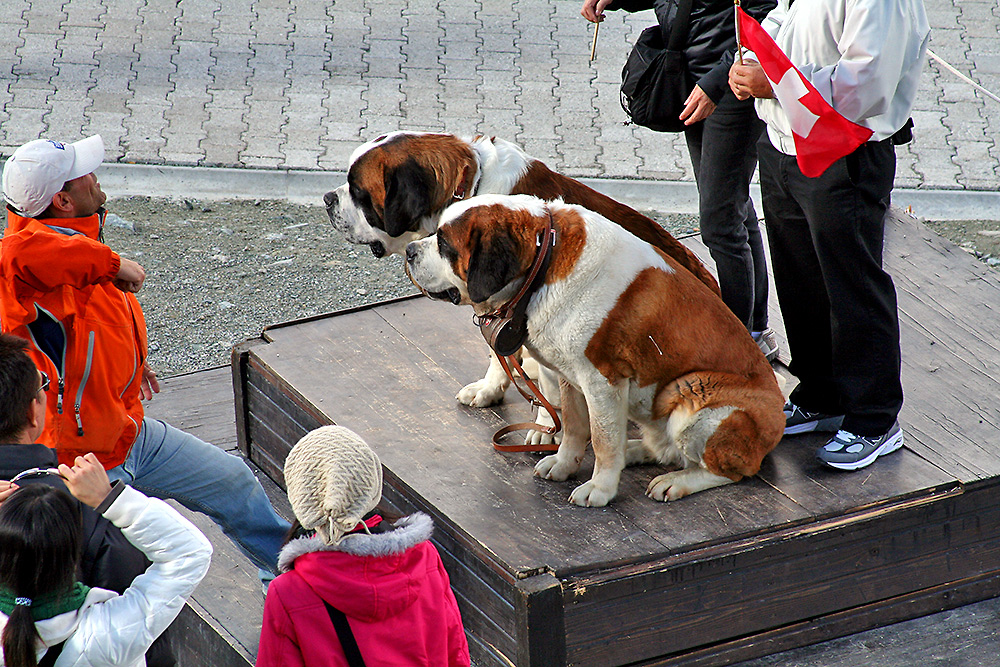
[[408, 193], [492, 265]]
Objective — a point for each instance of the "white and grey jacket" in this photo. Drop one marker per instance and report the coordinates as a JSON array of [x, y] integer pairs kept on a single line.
[[111, 629], [863, 56]]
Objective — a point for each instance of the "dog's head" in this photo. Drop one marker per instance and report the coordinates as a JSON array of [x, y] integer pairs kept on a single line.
[[398, 185], [482, 251]]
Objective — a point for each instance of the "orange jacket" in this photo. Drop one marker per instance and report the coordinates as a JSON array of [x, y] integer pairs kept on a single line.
[[86, 334]]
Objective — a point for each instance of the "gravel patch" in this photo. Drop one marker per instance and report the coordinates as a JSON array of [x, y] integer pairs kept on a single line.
[[219, 272]]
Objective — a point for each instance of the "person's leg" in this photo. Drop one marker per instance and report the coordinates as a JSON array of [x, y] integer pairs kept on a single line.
[[847, 210], [724, 157], [798, 279], [168, 463]]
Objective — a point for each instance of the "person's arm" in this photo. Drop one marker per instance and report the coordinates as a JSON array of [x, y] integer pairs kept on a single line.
[[716, 81], [863, 82], [121, 629], [45, 261], [278, 644], [593, 10]]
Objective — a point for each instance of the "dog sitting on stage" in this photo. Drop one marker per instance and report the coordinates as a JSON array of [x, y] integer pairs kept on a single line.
[[629, 334], [398, 185]]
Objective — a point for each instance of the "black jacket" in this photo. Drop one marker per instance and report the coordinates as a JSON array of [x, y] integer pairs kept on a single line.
[[711, 42], [109, 560]]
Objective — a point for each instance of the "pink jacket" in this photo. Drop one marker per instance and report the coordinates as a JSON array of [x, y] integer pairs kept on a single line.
[[392, 588]]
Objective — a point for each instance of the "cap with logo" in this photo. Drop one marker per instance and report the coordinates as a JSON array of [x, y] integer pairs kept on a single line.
[[39, 169]]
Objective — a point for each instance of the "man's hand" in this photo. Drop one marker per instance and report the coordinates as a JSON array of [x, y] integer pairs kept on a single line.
[[593, 10], [130, 276], [697, 107], [87, 480], [6, 489], [149, 384], [748, 80]]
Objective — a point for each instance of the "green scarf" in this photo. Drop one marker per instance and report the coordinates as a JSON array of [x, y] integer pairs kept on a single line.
[[50, 604]]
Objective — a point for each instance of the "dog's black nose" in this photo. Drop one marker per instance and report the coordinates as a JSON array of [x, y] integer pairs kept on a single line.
[[411, 252], [330, 199]]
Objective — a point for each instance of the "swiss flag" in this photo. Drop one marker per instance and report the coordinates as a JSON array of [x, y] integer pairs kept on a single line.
[[822, 136]]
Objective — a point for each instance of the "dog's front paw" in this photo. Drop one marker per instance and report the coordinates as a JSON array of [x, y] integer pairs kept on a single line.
[[480, 394], [675, 485], [555, 468], [536, 437], [590, 494]]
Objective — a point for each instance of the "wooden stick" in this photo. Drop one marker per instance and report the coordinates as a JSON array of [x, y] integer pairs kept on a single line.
[[593, 46], [739, 40]]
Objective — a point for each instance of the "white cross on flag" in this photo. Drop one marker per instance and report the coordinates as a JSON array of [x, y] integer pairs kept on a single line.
[[822, 136]]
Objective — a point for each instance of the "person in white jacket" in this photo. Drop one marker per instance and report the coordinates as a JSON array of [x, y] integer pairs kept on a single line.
[[43, 607]]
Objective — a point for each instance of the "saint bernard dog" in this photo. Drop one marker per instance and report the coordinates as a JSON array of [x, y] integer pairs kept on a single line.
[[629, 334], [398, 185]]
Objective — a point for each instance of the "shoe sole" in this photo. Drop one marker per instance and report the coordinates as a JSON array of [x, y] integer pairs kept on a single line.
[[828, 425], [888, 447]]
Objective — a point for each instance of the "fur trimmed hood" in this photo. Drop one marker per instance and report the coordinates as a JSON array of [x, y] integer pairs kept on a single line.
[[406, 533]]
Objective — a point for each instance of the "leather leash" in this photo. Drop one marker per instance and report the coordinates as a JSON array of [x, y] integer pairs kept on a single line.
[[504, 316]]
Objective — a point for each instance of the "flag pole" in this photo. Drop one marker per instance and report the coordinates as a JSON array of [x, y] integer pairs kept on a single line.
[[739, 40]]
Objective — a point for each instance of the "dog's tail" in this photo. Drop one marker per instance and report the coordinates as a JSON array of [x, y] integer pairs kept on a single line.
[[548, 184]]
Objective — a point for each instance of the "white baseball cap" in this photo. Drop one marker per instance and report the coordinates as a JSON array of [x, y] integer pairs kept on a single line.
[[39, 169]]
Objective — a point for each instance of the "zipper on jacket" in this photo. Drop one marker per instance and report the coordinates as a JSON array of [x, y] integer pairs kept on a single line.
[[83, 382]]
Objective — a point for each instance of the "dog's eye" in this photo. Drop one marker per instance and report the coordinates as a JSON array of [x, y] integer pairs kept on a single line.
[[445, 249]]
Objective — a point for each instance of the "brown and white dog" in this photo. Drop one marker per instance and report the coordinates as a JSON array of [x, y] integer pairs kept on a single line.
[[630, 334], [398, 185]]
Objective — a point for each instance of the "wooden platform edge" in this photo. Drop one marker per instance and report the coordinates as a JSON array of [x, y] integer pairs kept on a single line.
[[198, 639], [813, 631]]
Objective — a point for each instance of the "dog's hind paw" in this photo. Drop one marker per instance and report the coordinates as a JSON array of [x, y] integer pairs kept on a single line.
[[589, 494], [480, 394]]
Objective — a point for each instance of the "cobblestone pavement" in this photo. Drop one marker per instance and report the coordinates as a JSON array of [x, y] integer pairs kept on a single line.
[[274, 84]]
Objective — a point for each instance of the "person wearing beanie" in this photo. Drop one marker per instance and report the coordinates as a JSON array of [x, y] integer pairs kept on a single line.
[[354, 590], [73, 297]]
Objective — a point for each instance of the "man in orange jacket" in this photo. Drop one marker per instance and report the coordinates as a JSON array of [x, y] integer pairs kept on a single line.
[[73, 297]]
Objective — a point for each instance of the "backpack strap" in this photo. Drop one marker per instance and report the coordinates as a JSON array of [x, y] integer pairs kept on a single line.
[[344, 634], [678, 35]]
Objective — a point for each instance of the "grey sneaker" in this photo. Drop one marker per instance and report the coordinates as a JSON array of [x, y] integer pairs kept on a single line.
[[847, 451], [798, 421], [767, 342]]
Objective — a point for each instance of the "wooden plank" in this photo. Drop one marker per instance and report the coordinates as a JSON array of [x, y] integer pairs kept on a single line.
[[404, 407], [950, 339], [849, 563], [950, 332], [198, 403], [541, 638]]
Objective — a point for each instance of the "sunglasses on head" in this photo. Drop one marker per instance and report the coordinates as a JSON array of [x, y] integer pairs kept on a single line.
[[45, 381], [35, 472]]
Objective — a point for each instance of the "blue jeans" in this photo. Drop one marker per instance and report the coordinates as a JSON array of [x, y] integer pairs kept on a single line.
[[166, 462]]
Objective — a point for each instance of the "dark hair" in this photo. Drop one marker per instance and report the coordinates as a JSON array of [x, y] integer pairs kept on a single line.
[[388, 518], [18, 386], [40, 540]]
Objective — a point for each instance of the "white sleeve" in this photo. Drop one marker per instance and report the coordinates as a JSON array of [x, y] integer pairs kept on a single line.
[[863, 82], [120, 630]]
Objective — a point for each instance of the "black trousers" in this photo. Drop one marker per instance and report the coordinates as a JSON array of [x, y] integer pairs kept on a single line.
[[838, 304], [723, 150]]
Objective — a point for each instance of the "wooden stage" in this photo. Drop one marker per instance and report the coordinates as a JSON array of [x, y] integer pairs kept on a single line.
[[794, 556]]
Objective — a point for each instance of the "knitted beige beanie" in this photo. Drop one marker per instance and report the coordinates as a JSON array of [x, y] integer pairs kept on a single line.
[[333, 480]]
